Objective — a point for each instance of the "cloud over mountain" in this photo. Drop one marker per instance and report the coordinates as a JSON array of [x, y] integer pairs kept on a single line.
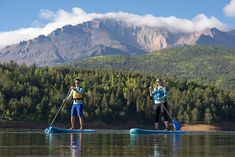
[[77, 15], [229, 9], [107, 36]]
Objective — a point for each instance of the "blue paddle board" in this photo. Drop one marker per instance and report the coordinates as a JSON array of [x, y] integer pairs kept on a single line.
[[145, 131], [62, 130]]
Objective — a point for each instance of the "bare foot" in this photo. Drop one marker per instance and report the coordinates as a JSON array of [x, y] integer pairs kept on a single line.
[[167, 129], [81, 128], [71, 128]]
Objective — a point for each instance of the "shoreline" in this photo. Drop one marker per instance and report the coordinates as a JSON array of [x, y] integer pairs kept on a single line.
[[224, 126]]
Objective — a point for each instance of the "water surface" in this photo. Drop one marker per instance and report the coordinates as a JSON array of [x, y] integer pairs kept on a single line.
[[115, 143]]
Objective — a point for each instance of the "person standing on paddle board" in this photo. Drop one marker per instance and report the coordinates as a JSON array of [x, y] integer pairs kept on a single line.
[[77, 95], [159, 95]]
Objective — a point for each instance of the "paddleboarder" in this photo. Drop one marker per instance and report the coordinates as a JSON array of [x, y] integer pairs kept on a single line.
[[159, 95], [77, 95]]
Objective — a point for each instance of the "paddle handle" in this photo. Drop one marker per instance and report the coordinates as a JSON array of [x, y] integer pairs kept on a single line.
[[60, 108]]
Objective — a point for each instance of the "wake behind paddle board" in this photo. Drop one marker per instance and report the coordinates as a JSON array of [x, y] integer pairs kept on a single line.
[[145, 131], [62, 130]]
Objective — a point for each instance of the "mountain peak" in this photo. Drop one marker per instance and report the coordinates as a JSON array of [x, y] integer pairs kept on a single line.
[[106, 36]]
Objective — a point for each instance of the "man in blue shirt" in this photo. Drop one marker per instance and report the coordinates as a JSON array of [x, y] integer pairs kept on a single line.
[[77, 95]]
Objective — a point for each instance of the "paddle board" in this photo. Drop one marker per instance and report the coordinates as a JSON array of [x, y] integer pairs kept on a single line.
[[146, 131], [62, 130]]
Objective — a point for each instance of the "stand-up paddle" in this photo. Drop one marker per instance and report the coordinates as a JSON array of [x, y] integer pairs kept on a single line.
[[59, 109], [57, 113], [175, 124], [46, 130]]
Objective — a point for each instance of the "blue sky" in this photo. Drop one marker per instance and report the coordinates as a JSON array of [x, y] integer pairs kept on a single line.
[[25, 18]]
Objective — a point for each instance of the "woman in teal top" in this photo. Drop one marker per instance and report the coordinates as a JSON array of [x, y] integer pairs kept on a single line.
[[159, 95]]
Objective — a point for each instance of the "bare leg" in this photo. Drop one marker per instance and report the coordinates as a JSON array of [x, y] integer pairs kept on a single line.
[[81, 122], [73, 122], [156, 125], [167, 125]]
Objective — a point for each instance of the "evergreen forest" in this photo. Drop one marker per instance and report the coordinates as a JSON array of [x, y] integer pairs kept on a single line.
[[31, 93]]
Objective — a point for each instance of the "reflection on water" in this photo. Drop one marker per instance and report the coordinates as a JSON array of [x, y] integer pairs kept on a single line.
[[111, 143], [76, 144], [68, 144], [157, 145]]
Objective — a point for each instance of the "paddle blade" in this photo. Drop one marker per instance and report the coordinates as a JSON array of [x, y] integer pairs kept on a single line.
[[176, 125], [47, 130]]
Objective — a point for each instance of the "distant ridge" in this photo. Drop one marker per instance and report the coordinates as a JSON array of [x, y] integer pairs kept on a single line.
[[204, 64], [102, 37]]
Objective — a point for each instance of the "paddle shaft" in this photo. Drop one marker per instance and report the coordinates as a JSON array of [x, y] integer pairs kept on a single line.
[[167, 112], [59, 108]]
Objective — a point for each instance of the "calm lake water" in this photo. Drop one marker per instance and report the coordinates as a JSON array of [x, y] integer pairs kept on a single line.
[[113, 143]]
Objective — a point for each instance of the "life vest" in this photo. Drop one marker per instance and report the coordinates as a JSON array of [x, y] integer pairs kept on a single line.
[[78, 94]]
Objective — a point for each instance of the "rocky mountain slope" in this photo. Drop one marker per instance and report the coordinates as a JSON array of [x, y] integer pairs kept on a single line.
[[101, 37]]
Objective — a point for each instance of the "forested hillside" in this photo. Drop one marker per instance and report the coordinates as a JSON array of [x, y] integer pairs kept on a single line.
[[202, 64], [35, 94]]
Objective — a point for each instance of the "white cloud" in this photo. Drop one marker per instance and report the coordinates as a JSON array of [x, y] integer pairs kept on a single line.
[[46, 14], [36, 23], [229, 9], [62, 18]]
